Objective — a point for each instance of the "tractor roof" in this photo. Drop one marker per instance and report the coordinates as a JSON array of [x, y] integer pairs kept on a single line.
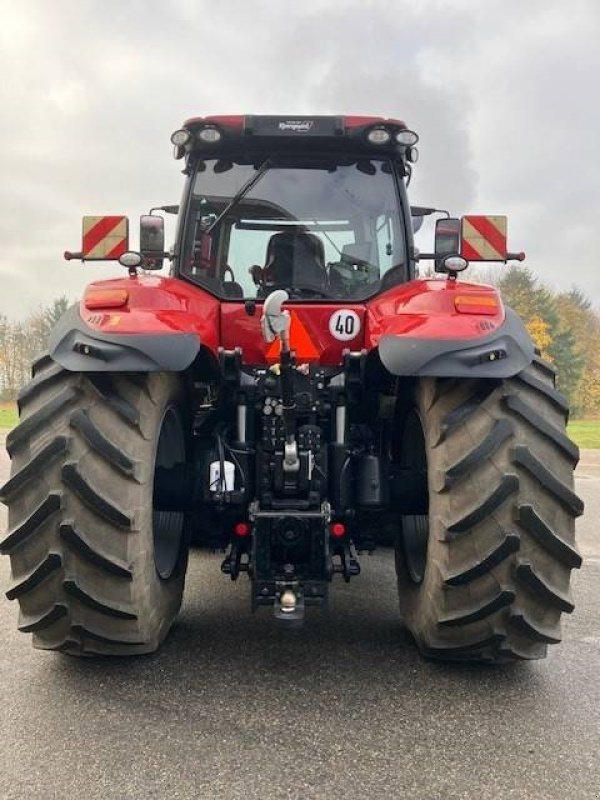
[[216, 134], [291, 122]]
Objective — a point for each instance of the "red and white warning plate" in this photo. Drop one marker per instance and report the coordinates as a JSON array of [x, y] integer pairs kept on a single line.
[[484, 237], [104, 238]]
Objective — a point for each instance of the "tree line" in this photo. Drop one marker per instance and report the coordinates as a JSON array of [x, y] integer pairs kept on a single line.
[[23, 341], [564, 326]]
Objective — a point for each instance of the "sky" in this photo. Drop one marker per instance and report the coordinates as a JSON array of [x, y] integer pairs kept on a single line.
[[504, 95]]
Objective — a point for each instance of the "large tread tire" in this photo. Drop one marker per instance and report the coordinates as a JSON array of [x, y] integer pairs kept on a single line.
[[81, 535], [501, 523]]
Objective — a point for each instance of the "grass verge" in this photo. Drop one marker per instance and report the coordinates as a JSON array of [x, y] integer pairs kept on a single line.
[[585, 433], [8, 416]]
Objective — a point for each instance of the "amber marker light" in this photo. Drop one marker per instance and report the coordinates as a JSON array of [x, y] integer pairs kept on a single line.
[[476, 304], [105, 298]]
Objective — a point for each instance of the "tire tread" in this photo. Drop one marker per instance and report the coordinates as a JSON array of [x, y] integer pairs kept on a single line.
[[79, 535], [48, 566], [81, 545], [501, 601]]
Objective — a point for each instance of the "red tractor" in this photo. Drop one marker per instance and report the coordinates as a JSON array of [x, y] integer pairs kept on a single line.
[[293, 394]]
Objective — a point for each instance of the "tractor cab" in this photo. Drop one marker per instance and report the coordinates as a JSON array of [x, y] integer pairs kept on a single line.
[[313, 206], [321, 228]]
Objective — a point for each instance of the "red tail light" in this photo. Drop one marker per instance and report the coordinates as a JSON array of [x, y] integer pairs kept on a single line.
[[241, 528], [337, 530]]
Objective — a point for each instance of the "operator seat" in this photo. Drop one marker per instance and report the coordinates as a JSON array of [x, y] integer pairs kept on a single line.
[[295, 257]]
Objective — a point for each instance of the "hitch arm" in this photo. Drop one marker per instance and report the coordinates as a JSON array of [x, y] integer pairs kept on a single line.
[[275, 322]]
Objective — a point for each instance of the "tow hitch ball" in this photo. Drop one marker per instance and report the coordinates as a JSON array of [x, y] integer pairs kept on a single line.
[[288, 607]]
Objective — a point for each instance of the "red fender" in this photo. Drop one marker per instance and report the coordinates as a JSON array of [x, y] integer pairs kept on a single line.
[[153, 305], [434, 309], [446, 328], [137, 324]]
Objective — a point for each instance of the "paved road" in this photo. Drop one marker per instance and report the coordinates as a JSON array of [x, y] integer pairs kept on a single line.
[[232, 707]]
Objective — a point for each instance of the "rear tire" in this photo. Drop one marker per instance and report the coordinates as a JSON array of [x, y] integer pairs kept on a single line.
[[95, 569], [500, 532]]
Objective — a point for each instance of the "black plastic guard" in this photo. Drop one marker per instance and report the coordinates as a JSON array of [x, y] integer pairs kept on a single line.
[[501, 354], [78, 348]]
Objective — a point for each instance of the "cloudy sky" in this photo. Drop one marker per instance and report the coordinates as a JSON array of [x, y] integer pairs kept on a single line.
[[505, 96]]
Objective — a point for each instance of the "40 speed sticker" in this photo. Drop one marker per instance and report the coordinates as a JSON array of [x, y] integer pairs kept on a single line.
[[344, 324]]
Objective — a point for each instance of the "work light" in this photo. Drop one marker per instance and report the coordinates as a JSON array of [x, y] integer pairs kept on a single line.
[[181, 137], [378, 136], [209, 135], [407, 138]]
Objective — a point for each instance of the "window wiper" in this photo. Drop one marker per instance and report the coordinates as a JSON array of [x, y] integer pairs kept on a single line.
[[252, 181]]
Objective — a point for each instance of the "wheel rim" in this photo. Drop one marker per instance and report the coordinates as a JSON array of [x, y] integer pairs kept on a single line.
[[168, 525], [415, 527]]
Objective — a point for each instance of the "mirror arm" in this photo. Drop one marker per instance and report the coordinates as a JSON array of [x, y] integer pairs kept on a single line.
[[166, 209], [426, 211]]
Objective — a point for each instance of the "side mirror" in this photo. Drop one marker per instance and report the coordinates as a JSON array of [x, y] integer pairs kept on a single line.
[[474, 237], [152, 241], [447, 241]]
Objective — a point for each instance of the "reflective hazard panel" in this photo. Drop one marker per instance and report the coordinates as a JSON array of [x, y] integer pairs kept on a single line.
[[484, 238], [104, 238], [300, 342]]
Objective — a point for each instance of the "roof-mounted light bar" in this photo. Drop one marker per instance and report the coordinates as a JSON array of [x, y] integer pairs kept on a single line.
[[183, 139], [382, 135], [205, 133]]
